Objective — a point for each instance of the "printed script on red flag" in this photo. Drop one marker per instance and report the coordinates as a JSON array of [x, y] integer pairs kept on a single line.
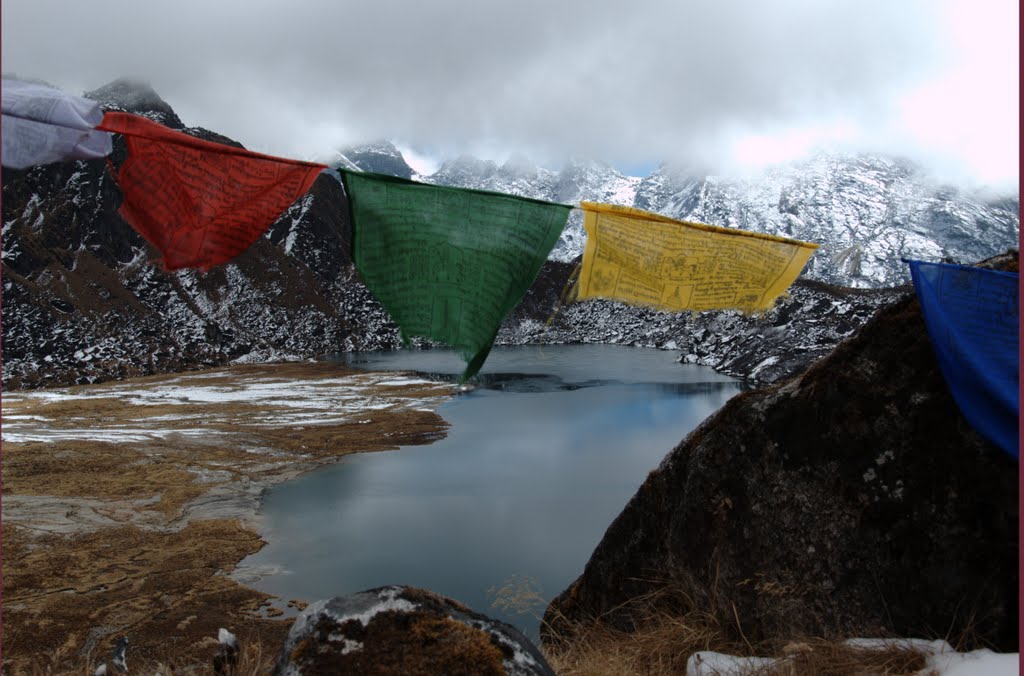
[[200, 203]]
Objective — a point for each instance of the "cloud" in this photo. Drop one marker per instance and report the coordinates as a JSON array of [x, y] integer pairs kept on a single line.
[[965, 123], [624, 82]]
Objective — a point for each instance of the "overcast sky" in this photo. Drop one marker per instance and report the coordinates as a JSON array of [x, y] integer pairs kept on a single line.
[[718, 85]]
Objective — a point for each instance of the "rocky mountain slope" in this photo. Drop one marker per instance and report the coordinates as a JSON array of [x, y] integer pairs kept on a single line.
[[867, 212], [83, 300]]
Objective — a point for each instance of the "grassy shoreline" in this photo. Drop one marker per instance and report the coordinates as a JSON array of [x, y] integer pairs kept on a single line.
[[127, 505]]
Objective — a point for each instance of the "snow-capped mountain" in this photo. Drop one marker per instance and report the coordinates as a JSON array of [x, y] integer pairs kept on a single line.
[[866, 212], [136, 96], [380, 158], [579, 181], [83, 300]]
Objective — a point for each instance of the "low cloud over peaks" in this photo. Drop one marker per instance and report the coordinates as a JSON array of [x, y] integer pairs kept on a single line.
[[625, 82]]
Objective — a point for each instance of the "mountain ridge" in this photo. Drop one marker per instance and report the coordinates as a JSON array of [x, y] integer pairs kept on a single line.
[[83, 300], [867, 212]]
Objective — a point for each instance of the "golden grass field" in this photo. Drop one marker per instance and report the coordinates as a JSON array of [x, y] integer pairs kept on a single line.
[[126, 505]]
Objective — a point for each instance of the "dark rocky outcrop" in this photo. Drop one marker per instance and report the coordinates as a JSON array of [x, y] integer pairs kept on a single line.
[[404, 630], [853, 499]]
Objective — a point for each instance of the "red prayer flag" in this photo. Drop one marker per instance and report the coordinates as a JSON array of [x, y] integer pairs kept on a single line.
[[200, 203]]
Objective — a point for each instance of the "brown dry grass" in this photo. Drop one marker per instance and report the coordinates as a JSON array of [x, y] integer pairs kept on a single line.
[[819, 657], [254, 659], [663, 646], [662, 640], [65, 597], [92, 469], [103, 539], [659, 643]]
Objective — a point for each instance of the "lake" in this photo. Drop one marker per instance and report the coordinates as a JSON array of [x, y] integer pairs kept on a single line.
[[543, 452]]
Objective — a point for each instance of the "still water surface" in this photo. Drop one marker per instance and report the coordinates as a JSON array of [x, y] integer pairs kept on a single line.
[[540, 457]]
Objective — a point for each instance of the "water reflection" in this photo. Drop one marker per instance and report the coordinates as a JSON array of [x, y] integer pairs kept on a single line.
[[540, 458]]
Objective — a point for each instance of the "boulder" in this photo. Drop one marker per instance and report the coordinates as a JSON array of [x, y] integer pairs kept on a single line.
[[852, 499], [404, 630]]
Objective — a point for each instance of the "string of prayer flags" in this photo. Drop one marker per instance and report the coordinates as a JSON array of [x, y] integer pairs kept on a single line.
[[448, 264], [200, 203], [643, 258], [42, 124], [973, 318]]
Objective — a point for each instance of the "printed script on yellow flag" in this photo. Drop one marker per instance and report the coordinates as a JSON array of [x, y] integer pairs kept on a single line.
[[647, 259]]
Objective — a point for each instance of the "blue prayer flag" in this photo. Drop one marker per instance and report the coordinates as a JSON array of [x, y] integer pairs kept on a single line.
[[973, 321]]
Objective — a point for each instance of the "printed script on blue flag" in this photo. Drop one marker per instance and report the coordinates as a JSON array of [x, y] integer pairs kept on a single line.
[[972, 319]]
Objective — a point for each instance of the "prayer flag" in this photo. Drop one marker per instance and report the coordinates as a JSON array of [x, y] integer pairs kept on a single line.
[[973, 321], [644, 258], [42, 124], [448, 264], [200, 203]]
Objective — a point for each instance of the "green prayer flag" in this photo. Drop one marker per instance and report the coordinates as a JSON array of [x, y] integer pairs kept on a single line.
[[448, 264]]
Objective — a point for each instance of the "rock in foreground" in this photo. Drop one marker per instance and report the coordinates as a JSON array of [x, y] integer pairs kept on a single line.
[[403, 630], [853, 499]]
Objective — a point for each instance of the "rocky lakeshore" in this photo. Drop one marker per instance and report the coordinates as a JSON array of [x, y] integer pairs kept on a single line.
[[126, 506]]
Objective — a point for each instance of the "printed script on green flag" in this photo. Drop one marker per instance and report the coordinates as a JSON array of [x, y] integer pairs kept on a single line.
[[448, 264]]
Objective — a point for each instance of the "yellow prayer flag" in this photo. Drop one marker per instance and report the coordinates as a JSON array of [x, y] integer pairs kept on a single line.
[[643, 258]]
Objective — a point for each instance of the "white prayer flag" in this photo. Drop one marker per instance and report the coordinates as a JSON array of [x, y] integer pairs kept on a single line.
[[42, 124]]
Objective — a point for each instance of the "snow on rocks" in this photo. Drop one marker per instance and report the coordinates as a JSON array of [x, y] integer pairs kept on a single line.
[[403, 630]]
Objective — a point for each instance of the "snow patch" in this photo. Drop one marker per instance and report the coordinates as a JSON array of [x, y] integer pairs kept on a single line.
[[388, 601], [350, 646], [942, 659], [710, 663]]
